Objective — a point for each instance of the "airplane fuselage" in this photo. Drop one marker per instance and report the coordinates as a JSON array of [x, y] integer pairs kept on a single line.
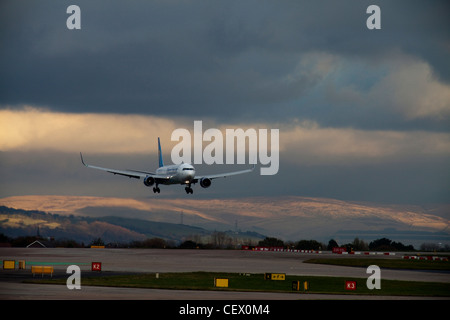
[[177, 174]]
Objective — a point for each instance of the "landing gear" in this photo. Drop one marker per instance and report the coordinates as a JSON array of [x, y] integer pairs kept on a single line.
[[188, 188], [156, 189]]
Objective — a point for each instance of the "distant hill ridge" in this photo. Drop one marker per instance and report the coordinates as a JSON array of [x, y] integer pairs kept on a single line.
[[111, 229], [288, 218]]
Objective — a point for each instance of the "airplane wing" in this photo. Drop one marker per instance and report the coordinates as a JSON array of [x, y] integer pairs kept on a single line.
[[223, 175], [127, 173]]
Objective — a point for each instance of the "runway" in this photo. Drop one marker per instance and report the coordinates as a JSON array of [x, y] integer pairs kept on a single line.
[[24, 291], [177, 260]]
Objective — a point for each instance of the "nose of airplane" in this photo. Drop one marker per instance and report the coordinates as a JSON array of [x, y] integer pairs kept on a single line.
[[188, 173]]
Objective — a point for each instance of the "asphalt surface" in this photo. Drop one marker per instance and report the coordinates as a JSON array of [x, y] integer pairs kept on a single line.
[[156, 260]]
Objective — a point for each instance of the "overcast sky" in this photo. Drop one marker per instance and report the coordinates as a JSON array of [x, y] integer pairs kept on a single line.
[[363, 114]]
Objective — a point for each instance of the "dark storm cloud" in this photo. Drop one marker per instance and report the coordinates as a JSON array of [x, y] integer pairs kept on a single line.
[[45, 173], [225, 60]]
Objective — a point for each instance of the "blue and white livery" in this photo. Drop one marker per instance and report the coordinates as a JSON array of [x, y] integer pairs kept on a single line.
[[183, 174]]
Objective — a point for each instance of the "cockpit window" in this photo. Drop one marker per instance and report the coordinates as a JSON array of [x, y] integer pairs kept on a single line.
[[190, 169]]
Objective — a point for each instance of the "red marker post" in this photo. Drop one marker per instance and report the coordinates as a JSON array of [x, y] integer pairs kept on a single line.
[[350, 285], [96, 266]]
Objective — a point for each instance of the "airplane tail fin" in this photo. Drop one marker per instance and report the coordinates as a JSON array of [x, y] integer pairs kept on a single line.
[[161, 163]]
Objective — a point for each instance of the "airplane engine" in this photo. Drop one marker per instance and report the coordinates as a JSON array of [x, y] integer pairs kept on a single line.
[[149, 181], [205, 182]]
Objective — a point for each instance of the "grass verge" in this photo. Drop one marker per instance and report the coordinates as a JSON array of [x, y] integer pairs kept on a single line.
[[256, 282]]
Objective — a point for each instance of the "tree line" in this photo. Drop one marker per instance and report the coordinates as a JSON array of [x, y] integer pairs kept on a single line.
[[217, 240], [220, 240], [382, 244]]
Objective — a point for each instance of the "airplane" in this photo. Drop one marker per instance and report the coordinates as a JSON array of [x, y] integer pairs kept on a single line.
[[183, 174]]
